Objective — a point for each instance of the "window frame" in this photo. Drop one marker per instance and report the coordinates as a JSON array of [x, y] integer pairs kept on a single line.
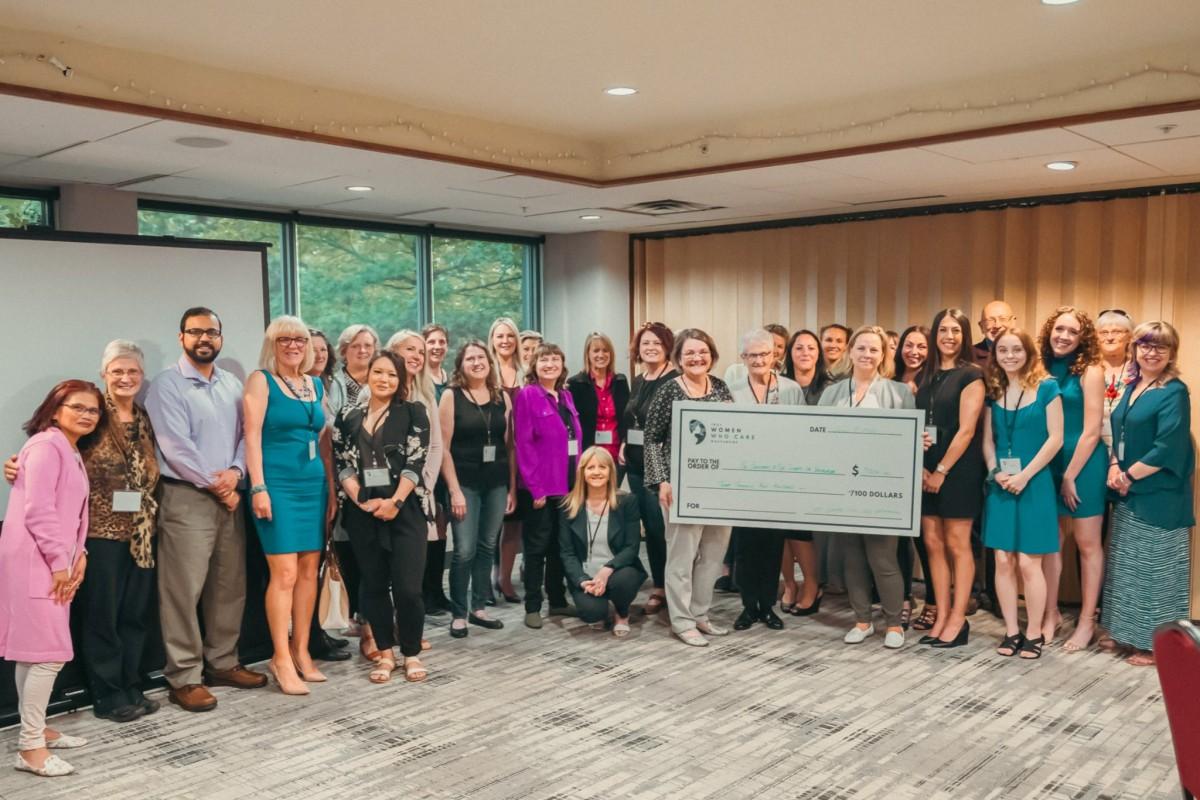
[[531, 274], [47, 197]]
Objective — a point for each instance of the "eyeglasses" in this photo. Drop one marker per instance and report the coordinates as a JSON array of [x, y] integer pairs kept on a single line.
[[82, 410], [757, 356], [292, 341], [1154, 347], [989, 321], [123, 373], [197, 333]]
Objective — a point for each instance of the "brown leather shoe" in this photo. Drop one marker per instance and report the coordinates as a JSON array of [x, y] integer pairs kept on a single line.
[[239, 678], [192, 697]]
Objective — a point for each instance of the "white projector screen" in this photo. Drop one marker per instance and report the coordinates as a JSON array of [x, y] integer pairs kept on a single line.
[[63, 297]]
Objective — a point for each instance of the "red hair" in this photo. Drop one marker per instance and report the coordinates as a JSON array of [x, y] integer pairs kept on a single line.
[[43, 416]]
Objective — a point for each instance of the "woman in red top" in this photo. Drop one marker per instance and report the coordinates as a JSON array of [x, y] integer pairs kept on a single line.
[[600, 396]]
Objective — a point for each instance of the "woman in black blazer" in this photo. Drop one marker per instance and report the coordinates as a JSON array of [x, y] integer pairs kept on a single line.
[[600, 536], [601, 394], [379, 450]]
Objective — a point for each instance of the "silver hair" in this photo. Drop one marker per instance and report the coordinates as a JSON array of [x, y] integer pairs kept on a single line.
[[758, 335], [1115, 318], [350, 334], [121, 348]]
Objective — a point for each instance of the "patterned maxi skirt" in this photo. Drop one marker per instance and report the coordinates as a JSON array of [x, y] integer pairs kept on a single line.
[[1146, 578]]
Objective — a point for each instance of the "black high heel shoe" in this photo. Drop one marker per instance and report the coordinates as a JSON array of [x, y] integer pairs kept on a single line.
[[807, 611], [957, 641]]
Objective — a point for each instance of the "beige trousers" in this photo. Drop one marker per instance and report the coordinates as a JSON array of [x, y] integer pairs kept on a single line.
[[35, 682], [695, 556], [201, 559]]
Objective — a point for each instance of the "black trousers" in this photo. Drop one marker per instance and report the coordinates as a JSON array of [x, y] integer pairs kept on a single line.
[[433, 584], [622, 587], [539, 538], [758, 554], [653, 524], [391, 562], [115, 601], [348, 568]]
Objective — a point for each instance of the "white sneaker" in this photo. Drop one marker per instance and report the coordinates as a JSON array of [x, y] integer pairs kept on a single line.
[[65, 742], [894, 639], [857, 635], [705, 626], [54, 767]]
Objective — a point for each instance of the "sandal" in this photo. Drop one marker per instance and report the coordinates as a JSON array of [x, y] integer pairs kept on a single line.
[[1033, 647], [927, 619], [1140, 658], [906, 616], [654, 604], [384, 667], [365, 646], [414, 671], [1012, 644]]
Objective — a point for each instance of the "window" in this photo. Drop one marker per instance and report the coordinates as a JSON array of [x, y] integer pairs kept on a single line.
[[24, 212], [349, 276], [476, 281], [157, 222]]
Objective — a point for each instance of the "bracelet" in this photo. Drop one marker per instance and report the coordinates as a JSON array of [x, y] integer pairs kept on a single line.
[[258, 488], [1128, 477]]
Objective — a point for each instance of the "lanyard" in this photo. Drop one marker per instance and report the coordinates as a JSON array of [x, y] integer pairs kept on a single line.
[[1010, 425], [856, 404], [373, 436], [771, 380], [487, 418], [592, 534], [688, 392], [120, 443], [310, 406]]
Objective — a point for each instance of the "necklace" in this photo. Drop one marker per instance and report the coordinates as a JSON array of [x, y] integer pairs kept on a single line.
[[688, 391]]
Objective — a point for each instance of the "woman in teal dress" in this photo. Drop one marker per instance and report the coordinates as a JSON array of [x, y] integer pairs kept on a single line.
[[283, 421], [1150, 474], [1023, 430], [1070, 349]]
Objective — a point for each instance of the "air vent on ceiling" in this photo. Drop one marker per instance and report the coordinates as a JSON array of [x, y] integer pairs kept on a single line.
[[660, 208]]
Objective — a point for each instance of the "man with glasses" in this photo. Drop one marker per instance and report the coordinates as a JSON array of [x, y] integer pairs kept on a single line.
[[995, 317], [196, 410]]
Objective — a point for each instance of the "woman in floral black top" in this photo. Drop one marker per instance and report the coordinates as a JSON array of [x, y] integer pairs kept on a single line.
[[695, 553], [379, 452]]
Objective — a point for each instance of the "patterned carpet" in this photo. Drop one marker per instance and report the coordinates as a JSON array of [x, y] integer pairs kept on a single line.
[[570, 713]]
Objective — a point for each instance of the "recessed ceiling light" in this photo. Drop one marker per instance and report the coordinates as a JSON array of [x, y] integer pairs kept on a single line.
[[360, 188], [590, 217], [1058, 2], [620, 91], [1062, 166], [202, 142]]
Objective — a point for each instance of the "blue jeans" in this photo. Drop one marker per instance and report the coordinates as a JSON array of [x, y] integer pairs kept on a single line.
[[475, 537]]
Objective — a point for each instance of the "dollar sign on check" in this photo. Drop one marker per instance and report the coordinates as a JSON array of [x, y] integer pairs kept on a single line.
[[854, 470]]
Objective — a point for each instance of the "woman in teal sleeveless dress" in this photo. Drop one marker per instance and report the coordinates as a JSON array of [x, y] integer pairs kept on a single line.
[[1022, 433], [1070, 350], [283, 421]]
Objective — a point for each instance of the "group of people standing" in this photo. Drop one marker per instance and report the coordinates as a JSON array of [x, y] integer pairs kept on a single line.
[[364, 454]]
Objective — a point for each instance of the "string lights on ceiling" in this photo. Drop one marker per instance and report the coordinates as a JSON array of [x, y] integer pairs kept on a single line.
[[438, 135]]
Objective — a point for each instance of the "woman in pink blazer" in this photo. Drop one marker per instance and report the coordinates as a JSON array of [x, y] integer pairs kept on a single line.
[[42, 561]]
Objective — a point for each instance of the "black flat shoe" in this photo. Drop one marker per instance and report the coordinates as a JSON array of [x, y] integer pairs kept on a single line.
[[744, 621], [148, 705], [484, 622], [333, 642], [459, 633], [329, 655], [957, 641], [772, 620], [122, 713], [807, 611], [511, 598]]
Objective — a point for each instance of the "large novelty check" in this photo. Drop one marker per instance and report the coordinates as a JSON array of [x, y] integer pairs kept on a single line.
[[849, 470]]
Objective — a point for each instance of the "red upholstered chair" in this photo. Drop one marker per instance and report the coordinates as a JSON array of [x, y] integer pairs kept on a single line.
[[1177, 656]]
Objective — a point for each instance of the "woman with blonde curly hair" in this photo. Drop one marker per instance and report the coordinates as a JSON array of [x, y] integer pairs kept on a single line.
[[1022, 432], [1070, 350]]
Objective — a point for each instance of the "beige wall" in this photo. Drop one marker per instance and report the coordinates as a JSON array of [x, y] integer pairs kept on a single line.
[[1139, 254], [585, 288]]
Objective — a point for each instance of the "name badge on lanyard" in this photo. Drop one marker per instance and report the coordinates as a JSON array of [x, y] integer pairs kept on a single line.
[[376, 476], [931, 431], [489, 453], [127, 502], [572, 447], [312, 449], [1010, 466], [1121, 450], [635, 436], [604, 437]]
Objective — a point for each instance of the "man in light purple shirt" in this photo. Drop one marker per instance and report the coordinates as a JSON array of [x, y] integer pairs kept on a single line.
[[196, 410]]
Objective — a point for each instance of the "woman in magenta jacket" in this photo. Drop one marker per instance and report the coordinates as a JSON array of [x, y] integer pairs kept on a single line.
[[547, 432], [42, 561]]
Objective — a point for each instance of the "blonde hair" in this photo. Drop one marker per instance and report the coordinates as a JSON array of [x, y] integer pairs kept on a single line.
[[516, 362], [592, 338], [285, 326], [422, 382], [1160, 332], [845, 365], [574, 501], [1032, 374]]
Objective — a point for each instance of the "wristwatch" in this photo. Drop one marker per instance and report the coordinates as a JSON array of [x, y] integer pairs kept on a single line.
[[241, 475], [941, 469]]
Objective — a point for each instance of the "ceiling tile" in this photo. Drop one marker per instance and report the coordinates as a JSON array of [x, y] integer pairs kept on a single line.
[[1050, 142], [34, 127], [1141, 129], [1176, 156], [517, 186]]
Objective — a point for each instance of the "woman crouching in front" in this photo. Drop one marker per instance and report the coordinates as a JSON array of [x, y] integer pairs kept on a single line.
[[600, 535]]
